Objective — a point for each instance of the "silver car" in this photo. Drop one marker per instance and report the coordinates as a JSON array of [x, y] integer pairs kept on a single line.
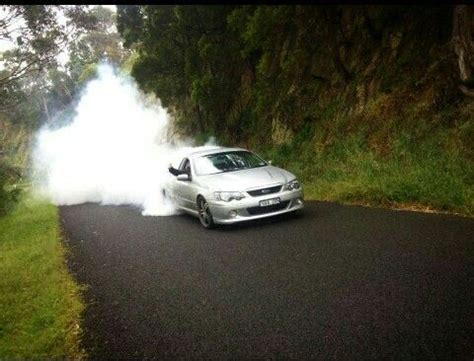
[[228, 185]]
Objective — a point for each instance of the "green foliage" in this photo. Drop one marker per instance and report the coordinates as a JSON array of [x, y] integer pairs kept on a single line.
[[360, 102], [432, 173], [94, 46], [14, 143], [34, 89], [188, 59], [9, 193], [130, 23], [129, 62], [89, 71], [36, 37]]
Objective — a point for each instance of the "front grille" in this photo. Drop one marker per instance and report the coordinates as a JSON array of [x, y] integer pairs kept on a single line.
[[264, 191], [253, 211]]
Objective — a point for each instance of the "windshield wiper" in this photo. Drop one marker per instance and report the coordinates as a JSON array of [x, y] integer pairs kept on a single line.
[[232, 169]]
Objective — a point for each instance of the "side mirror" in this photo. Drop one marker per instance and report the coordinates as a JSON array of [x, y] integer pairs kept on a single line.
[[183, 177]]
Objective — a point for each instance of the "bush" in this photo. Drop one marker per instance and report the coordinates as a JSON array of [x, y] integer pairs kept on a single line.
[[9, 192]]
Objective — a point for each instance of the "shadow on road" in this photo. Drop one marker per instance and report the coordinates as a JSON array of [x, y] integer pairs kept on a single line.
[[257, 223], [262, 222]]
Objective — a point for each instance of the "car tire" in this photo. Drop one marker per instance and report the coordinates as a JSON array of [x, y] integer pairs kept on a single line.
[[204, 214]]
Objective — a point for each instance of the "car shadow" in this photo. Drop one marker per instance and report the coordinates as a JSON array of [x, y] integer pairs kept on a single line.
[[261, 222]]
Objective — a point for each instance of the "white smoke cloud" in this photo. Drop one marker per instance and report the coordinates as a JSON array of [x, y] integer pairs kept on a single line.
[[115, 151]]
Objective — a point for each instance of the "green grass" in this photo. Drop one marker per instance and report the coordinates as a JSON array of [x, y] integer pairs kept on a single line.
[[39, 301], [428, 173]]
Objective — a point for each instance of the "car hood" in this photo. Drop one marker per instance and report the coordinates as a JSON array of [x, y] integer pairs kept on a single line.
[[247, 179]]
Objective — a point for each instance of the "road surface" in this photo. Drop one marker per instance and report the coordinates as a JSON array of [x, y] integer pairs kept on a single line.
[[336, 283]]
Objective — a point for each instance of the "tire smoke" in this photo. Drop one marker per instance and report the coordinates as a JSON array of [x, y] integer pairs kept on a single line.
[[116, 150]]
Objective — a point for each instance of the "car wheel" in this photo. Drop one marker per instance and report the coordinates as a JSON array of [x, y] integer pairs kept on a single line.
[[205, 216]]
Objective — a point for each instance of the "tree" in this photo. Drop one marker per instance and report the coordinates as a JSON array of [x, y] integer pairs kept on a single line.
[[130, 23], [463, 27], [38, 36], [102, 43], [46, 89], [187, 57], [34, 88]]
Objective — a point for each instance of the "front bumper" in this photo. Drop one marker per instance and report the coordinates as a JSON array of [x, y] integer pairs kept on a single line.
[[249, 208]]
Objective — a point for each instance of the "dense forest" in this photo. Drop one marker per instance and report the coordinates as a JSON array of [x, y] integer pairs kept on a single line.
[[367, 104]]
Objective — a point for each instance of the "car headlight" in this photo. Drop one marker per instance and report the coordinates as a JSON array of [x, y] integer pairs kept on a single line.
[[294, 184], [228, 196]]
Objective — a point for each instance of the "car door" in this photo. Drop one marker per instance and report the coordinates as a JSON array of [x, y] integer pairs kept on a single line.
[[185, 190]]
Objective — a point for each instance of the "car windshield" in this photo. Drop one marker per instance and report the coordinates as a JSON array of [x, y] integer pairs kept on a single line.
[[227, 162]]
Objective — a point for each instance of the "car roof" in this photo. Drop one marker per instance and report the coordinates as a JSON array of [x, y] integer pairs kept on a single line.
[[201, 153]]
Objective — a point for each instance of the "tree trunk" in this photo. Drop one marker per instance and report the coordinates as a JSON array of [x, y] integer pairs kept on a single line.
[[46, 110], [463, 46], [333, 32], [199, 118]]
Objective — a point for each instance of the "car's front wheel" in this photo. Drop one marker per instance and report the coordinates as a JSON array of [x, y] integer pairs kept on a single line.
[[205, 216]]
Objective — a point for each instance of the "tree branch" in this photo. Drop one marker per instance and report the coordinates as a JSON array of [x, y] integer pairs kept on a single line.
[[466, 91]]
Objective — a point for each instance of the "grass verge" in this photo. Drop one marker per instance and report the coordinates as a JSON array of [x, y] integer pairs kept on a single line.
[[40, 303], [429, 174]]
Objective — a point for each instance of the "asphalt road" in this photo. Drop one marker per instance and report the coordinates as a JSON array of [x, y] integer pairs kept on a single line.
[[336, 283]]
